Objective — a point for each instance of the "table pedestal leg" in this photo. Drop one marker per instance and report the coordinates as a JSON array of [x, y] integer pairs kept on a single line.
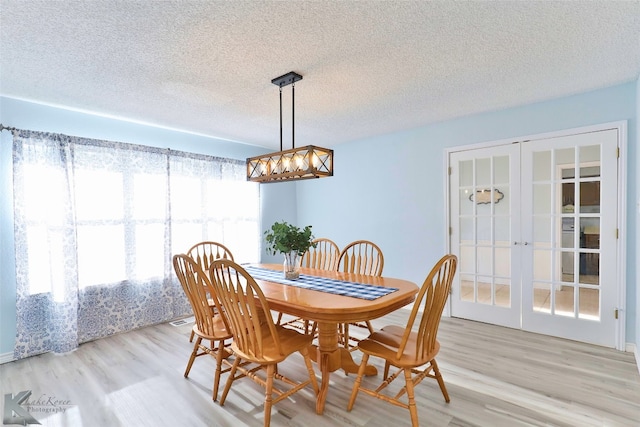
[[330, 358]]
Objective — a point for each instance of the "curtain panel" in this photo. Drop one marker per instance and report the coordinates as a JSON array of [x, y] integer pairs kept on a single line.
[[97, 224]]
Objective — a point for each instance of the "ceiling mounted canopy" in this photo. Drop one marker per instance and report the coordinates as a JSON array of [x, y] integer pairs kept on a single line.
[[297, 163]]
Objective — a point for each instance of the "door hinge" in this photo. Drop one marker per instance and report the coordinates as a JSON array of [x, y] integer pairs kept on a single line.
[[617, 233], [616, 313], [450, 231], [449, 170], [618, 152]]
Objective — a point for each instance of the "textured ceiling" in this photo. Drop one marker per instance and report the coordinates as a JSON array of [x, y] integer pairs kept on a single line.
[[369, 67]]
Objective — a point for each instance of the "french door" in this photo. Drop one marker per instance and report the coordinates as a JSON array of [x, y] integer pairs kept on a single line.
[[485, 223], [534, 225]]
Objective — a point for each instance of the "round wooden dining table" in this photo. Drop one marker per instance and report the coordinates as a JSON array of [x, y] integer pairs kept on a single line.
[[329, 310]]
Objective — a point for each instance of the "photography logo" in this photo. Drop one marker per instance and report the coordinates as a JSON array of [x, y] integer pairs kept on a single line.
[[14, 413], [18, 408]]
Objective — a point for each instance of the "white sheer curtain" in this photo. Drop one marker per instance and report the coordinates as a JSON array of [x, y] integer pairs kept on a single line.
[[213, 199], [96, 225]]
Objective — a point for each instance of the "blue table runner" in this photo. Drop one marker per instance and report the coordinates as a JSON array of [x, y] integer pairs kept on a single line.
[[323, 284]]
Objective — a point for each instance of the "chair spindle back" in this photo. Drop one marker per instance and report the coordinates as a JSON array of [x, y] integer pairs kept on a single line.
[[324, 256], [197, 287], [361, 257], [204, 253], [432, 297], [240, 297]]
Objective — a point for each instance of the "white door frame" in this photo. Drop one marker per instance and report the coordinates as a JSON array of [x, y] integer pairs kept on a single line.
[[621, 243]]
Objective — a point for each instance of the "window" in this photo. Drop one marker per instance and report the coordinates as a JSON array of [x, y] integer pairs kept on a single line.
[[97, 224]]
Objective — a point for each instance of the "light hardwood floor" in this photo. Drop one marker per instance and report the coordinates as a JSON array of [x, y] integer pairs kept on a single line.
[[495, 377]]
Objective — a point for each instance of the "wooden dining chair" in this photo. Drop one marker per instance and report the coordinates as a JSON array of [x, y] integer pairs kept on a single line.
[[204, 253], [409, 350], [209, 326], [256, 338], [324, 256], [359, 257]]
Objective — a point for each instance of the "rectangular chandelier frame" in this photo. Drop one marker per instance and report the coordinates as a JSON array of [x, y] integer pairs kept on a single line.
[[290, 165]]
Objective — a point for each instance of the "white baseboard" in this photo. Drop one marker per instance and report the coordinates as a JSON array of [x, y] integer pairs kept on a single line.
[[6, 358]]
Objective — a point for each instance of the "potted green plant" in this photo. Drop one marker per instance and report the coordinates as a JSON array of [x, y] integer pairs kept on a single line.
[[291, 241]]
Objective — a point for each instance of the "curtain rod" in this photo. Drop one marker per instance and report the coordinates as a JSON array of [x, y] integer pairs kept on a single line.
[[139, 147], [9, 128]]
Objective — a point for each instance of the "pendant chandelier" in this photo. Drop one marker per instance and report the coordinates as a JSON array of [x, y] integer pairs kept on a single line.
[[297, 163]]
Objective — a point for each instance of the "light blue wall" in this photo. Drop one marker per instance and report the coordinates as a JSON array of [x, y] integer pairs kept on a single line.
[[276, 201], [281, 198], [390, 189], [38, 117], [635, 207]]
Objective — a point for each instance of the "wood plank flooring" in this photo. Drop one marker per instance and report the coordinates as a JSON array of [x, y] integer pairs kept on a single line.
[[495, 377]]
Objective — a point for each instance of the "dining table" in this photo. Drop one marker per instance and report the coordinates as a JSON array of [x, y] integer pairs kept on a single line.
[[327, 298]]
